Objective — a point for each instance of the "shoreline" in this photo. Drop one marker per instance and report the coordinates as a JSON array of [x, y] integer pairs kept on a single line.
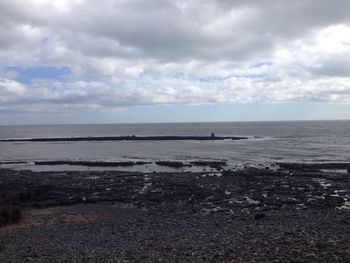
[[218, 164], [264, 204]]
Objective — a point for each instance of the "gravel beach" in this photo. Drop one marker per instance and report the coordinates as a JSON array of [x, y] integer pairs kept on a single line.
[[252, 215]]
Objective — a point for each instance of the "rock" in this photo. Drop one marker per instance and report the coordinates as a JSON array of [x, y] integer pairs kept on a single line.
[[26, 196], [173, 164], [127, 138], [9, 215], [92, 163], [259, 216], [333, 200], [212, 164]]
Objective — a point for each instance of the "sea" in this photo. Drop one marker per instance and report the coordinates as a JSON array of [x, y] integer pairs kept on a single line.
[[268, 143]]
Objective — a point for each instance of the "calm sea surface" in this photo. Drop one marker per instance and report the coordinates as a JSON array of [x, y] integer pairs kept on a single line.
[[311, 141]]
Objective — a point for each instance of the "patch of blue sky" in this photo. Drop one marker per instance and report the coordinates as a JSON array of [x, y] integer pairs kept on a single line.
[[213, 79], [28, 74], [252, 76], [261, 64]]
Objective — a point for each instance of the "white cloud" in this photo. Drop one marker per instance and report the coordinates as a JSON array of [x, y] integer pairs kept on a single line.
[[125, 53], [11, 88]]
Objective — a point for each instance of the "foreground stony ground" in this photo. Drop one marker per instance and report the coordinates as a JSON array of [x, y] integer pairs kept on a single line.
[[289, 215]]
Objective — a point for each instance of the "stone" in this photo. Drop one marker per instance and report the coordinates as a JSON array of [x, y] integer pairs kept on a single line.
[[259, 216]]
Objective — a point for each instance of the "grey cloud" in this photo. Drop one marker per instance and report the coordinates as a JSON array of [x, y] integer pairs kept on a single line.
[[167, 32], [333, 66], [162, 30], [141, 52]]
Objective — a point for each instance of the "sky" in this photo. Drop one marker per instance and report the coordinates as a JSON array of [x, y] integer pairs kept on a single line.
[[111, 61]]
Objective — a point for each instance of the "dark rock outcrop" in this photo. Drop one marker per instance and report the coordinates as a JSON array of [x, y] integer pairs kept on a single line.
[[173, 164], [313, 166], [212, 164], [91, 163], [9, 214], [10, 202], [126, 138]]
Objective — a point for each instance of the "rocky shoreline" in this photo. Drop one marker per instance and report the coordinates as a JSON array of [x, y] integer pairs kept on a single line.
[[293, 214]]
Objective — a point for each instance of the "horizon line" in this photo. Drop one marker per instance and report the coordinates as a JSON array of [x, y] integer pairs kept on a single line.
[[174, 122]]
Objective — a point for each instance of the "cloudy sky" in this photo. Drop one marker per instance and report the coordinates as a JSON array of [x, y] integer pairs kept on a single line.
[[93, 61]]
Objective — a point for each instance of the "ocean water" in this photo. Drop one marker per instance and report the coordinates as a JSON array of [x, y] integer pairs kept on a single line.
[[303, 141]]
